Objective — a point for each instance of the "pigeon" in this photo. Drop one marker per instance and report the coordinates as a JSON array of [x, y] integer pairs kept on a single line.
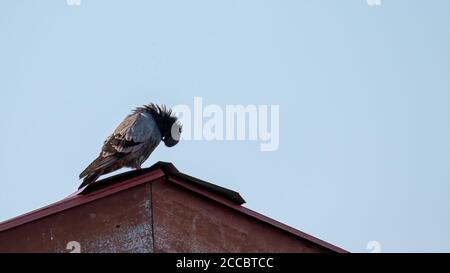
[[134, 140]]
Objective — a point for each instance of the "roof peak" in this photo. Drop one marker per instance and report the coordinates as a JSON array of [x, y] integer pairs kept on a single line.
[[168, 169]]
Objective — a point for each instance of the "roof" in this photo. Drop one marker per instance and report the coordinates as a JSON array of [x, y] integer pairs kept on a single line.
[[169, 170], [121, 182]]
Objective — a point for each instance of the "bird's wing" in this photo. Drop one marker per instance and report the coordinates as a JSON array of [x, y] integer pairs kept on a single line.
[[129, 137]]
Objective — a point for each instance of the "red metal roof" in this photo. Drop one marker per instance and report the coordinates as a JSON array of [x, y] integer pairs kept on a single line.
[[131, 179]]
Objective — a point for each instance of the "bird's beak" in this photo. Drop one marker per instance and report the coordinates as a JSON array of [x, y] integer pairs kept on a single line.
[[170, 142]]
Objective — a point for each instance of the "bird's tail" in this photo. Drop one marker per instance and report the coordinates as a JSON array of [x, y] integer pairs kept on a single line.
[[89, 169], [90, 179], [101, 165]]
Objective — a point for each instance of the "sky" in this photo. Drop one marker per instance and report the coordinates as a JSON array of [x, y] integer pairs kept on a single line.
[[363, 94]]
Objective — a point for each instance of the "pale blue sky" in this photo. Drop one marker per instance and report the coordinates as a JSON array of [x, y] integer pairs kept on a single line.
[[364, 95]]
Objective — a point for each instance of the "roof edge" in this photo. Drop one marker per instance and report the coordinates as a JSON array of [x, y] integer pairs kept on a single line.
[[216, 193], [258, 216], [77, 199]]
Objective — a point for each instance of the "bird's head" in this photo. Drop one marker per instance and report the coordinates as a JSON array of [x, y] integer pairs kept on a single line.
[[167, 122], [173, 135]]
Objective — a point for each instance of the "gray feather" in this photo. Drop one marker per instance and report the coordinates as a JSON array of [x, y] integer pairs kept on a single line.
[[131, 143]]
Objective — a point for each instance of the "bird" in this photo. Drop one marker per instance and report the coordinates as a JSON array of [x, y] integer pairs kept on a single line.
[[134, 139]]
